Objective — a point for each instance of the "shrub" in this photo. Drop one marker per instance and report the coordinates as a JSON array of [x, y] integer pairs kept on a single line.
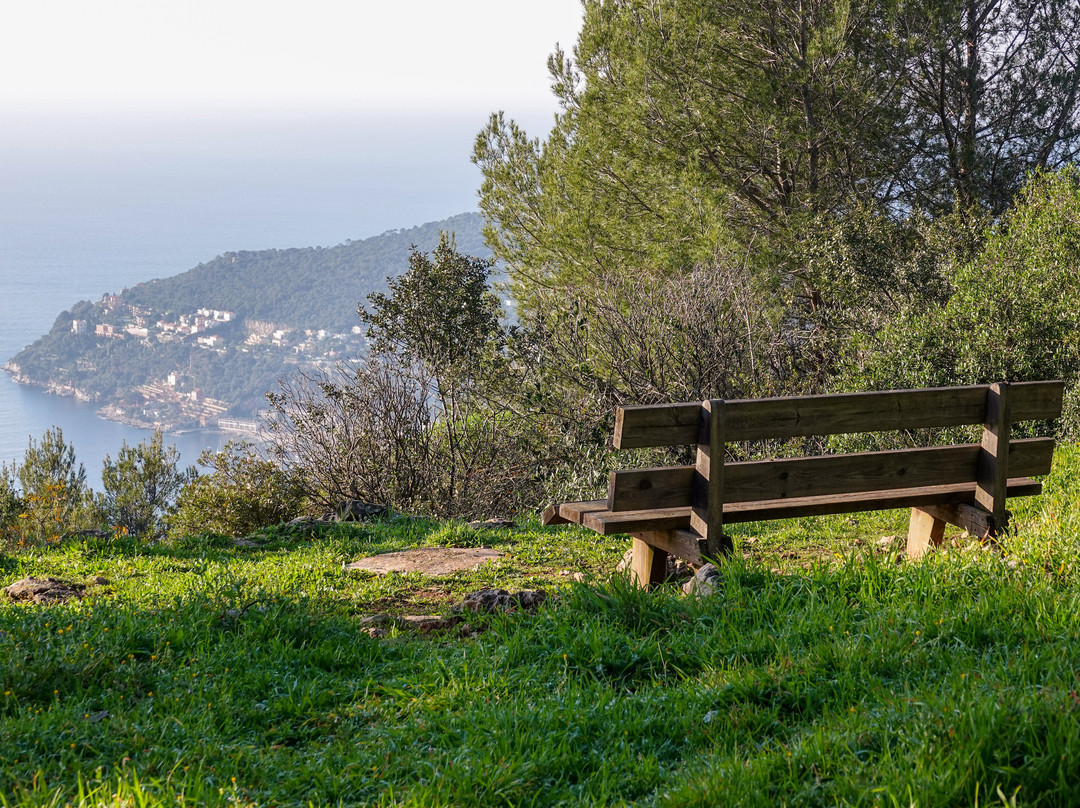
[[241, 494], [376, 430], [420, 423], [52, 493], [141, 486], [1013, 313], [10, 507]]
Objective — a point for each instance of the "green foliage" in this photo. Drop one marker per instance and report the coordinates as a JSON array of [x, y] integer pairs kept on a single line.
[[52, 491], [687, 126], [693, 129], [141, 486], [241, 494], [989, 95], [11, 506], [440, 312], [1013, 313], [419, 422]]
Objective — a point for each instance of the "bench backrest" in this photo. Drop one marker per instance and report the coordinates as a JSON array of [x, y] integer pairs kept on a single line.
[[710, 424]]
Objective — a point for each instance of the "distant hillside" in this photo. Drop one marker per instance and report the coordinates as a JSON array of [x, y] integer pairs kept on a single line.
[[312, 287], [207, 344]]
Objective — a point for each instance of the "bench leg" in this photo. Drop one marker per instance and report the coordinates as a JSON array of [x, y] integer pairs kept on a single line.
[[649, 566], [925, 531]]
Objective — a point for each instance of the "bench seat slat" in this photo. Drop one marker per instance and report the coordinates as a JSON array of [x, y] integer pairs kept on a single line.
[[758, 480], [595, 515], [780, 418]]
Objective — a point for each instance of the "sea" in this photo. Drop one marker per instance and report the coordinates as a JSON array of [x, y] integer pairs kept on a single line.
[[93, 206]]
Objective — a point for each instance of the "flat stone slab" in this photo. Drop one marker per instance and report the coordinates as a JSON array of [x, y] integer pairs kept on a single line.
[[428, 560], [44, 590]]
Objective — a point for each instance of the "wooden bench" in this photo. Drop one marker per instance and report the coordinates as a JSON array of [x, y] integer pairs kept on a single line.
[[682, 509]]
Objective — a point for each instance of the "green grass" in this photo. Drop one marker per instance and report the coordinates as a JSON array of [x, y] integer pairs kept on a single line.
[[826, 673]]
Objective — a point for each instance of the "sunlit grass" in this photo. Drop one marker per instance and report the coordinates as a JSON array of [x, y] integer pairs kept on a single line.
[[203, 674]]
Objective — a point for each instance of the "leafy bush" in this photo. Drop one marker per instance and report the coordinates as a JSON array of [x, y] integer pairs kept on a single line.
[[141, 486], [414, 424], [52, 497], [1013, 313], [241, 494], [10, 507]]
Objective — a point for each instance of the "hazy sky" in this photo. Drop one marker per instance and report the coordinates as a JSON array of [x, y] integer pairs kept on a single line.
[[332, 54], [226, 124]]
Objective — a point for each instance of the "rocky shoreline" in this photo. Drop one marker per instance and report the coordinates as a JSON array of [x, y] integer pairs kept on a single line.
[[65, 390], [108, 412], [113, 413]]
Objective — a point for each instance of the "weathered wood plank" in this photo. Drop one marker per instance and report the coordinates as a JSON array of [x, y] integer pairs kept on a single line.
[[610, 522], [707, 517], [868, 501], [971, 518], [648, 565], [993, 466], [660, 487], [871, 471], [684, 544], [550, 516], [656, 425], [573, 512], [828, 474], [925, 531], [877, 411], [688, 545]]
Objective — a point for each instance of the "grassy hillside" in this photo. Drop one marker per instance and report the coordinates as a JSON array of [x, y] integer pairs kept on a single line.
[[825, 673]]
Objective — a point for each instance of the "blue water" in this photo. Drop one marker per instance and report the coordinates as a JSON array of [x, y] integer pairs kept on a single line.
[[78, 219]]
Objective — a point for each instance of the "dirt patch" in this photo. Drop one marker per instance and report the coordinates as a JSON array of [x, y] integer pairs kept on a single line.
[[427, 560]]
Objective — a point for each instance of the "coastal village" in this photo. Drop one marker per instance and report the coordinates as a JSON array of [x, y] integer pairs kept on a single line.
[[175, 402]]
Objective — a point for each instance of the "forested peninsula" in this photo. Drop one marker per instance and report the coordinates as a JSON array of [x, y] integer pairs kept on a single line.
[[202, 348]]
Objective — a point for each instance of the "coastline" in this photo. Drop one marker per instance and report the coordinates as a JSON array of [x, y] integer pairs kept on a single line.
[[64, 390], [246, 428], [110, 412]]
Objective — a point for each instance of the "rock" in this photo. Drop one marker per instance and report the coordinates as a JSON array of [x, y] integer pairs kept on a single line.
[[246, 543], [306, 521], [706, 581], [375, 621], [44, 590], [86, 534], [489, 601], [353, 510], [677, 569], [428, 560], [379, 625], [492, 523], [426, 623]]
